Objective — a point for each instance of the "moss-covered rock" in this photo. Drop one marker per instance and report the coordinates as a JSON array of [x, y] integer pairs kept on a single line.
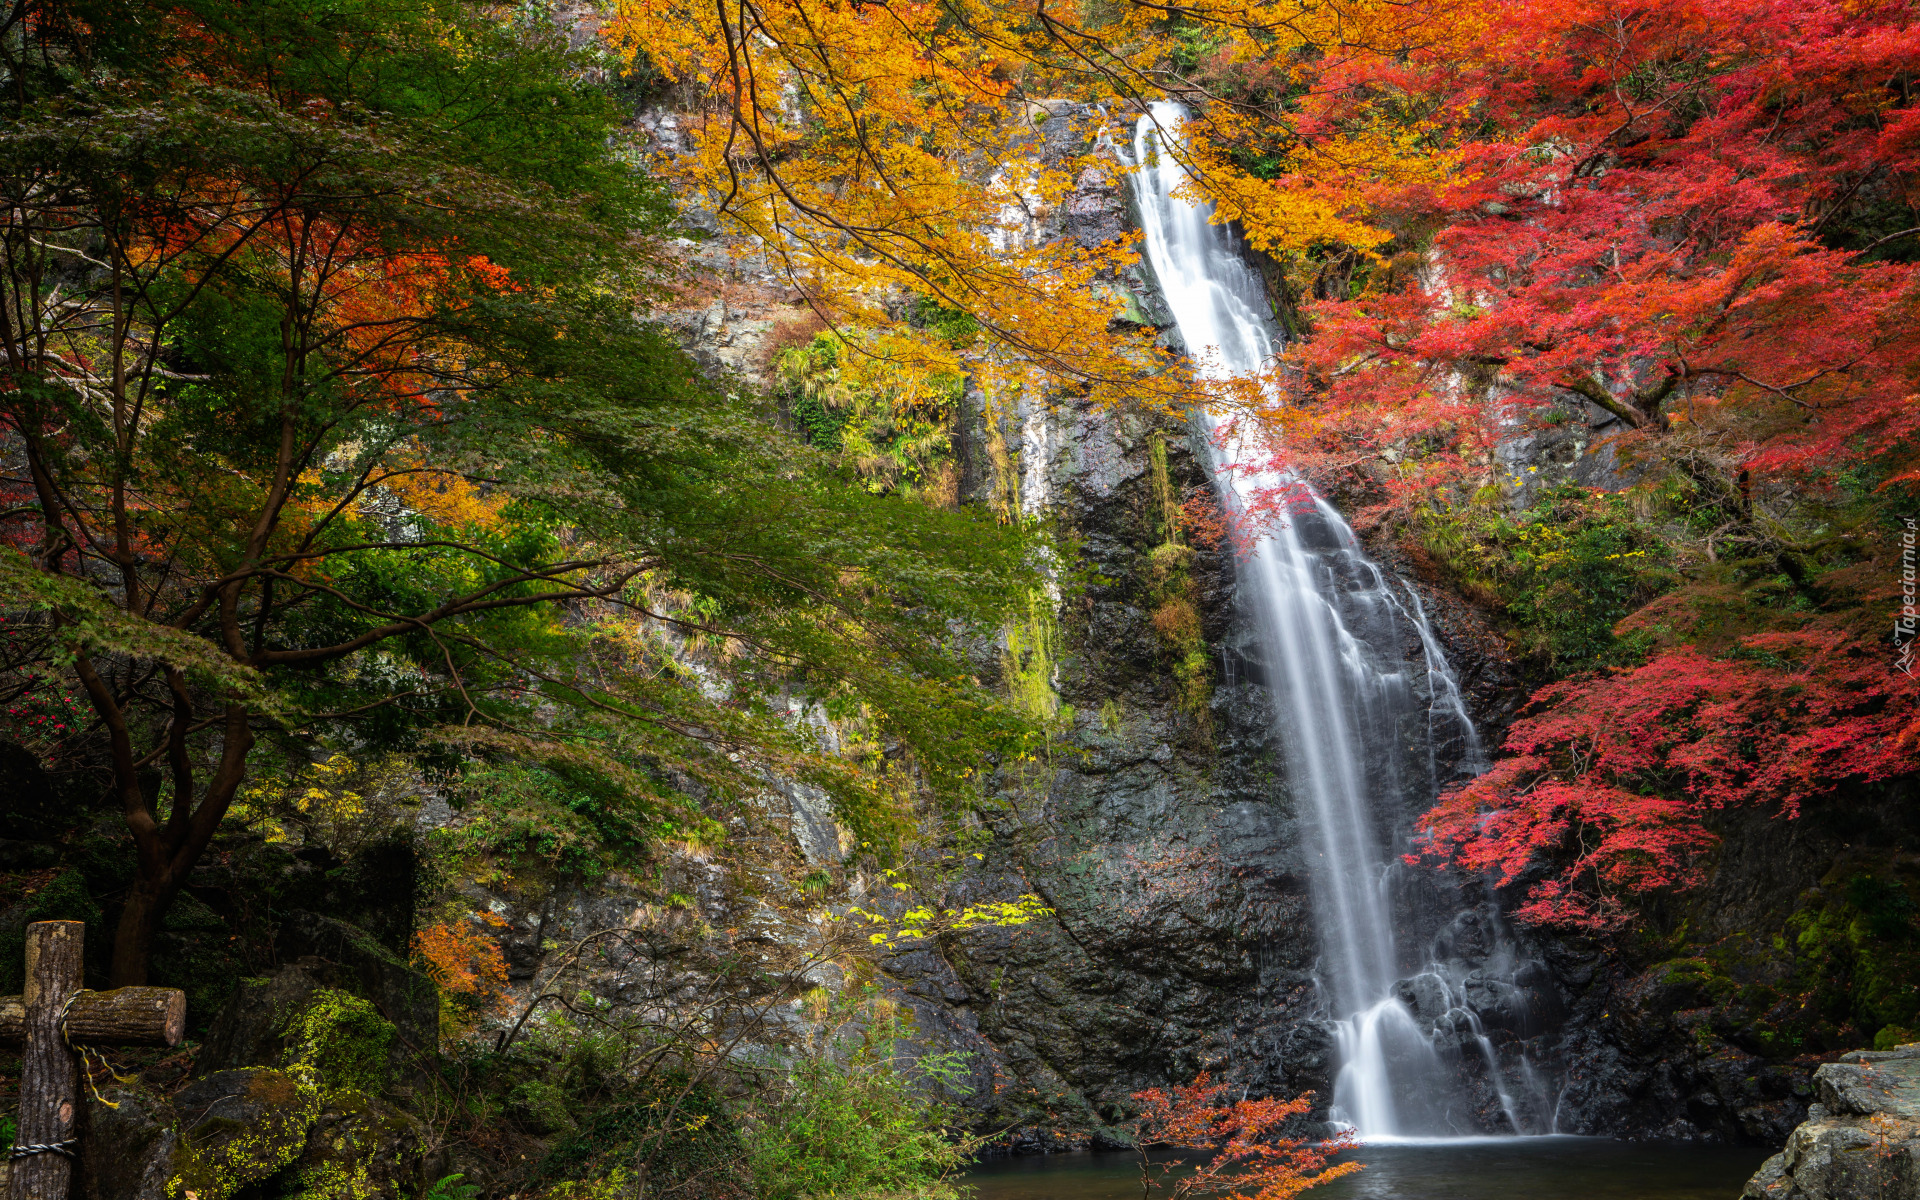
[[242, 1127], [342, 1042], [350, 959], [359, 1148]]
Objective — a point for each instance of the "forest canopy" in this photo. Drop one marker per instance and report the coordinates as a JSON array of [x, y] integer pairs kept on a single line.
[[1694, 223]]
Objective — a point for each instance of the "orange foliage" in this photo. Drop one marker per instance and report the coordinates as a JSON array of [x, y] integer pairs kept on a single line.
[[464, 960], [1248, 1159]]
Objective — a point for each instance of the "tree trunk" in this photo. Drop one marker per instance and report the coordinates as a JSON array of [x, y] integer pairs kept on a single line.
[[140, 919]]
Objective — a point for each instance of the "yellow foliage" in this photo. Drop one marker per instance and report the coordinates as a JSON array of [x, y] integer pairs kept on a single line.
[[439, 493], [876, 150], [923, 921]]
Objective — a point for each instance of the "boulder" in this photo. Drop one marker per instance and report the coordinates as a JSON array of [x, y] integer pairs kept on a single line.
[[359, 1148], [1861, 1139], [239, 1127], [351, 959], [251, 1030]]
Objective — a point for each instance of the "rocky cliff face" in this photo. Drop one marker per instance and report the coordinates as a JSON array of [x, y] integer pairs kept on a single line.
[[1160, 827]]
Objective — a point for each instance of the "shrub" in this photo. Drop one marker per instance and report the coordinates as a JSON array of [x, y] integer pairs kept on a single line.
[[847, 1116]]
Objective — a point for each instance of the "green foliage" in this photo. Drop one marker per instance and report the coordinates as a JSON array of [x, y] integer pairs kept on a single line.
[[887, 440], [1030, 659], [956, 327], [1564, 571], [514, 527], [64, 898], [541, 1106], [578, 823], [848, 1116], [452, 1187], [676, 1130], [1859, 950]]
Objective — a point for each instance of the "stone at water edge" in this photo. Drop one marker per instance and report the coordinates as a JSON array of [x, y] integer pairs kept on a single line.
[[1861, 1139]]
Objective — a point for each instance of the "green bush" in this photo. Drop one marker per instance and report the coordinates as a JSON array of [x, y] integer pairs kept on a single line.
[[673, 1132], [847, 1117], [1564, 571]]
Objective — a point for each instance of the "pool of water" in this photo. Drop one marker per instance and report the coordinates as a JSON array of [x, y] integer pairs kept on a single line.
[[1544, 1168]]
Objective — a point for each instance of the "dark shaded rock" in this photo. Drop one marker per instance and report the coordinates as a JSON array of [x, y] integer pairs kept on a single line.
[[128, 1146], [250, 1030], [32, 810]]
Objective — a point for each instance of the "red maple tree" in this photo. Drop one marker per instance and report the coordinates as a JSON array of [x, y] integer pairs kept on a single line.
[[1684, 212], [1247, 1157], [1609, 781]]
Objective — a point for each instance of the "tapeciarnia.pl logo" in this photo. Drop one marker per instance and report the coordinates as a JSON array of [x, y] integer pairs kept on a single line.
[[1906, 621]]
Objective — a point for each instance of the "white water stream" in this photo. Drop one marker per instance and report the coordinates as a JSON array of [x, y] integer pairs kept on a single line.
[[1347, 710]]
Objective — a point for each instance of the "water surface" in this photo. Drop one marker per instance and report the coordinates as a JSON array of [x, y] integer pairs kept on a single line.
[[1542, 1168]]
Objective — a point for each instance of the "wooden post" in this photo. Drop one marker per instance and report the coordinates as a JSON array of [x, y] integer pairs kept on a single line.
[[50, 1018], [49, 1082]]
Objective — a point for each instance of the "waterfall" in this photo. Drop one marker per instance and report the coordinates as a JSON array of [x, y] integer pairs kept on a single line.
[[1358, 737]]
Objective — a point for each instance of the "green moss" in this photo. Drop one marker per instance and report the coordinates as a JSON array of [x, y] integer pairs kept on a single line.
[[1858, 950], [1175, 599], [337, 1181], [342, 1041], [1705, 977], [349, 1136], [1031, 661]]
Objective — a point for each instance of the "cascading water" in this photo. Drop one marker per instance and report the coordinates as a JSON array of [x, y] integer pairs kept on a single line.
[[1331, 625]]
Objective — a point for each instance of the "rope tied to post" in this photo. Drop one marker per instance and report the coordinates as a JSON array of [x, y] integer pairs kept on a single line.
[[86, 1072], [66, 1147]]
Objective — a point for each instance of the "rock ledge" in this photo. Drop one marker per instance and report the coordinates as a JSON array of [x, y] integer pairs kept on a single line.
[[1861, 1139]]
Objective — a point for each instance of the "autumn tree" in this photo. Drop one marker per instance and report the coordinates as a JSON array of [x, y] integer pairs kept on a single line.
[[1696, 217], [1246, 1151], [876, 150], [1609, 785], [327, 415]]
